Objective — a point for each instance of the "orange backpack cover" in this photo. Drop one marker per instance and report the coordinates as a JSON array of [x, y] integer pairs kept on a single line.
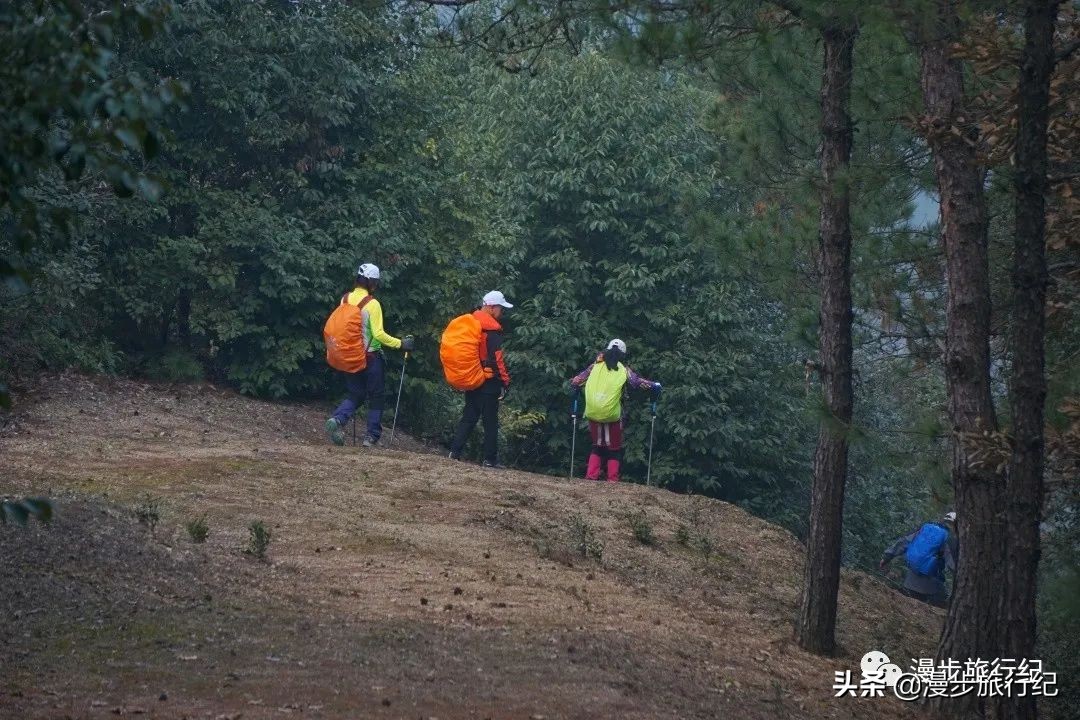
[[459, 351], [343, 334]]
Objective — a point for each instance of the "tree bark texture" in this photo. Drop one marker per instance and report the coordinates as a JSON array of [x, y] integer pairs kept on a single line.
[[816, 626], [972, 628], [1028, 383]]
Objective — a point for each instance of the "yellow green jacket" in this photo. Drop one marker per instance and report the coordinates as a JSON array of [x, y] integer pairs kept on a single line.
[[375, 336]]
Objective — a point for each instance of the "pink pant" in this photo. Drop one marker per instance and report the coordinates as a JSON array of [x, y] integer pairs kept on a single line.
[[607, 444]]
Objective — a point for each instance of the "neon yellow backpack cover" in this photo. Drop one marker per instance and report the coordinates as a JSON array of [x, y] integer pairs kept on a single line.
[[603, 393]]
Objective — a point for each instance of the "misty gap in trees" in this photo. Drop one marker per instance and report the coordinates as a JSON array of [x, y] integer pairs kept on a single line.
[[739, 189]]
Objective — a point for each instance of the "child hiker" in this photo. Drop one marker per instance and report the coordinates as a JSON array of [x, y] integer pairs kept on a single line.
[[605, 384]]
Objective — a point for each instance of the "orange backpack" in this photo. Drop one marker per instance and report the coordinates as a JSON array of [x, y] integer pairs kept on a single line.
[[343, 334], [459, 351]]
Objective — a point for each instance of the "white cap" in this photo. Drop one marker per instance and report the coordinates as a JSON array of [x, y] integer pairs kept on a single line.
[[371, 272], [617, 343], [951, 516], [496, 298]]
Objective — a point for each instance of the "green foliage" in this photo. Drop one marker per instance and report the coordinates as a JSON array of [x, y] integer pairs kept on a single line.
[[281, 179], [74, 119], [641, 527], [258, 539], [1059, 599], [174, 366], [198, 529], [612, 217], [898, 473], [20, 511], [75, 112], [148, 511], [584, 539], [429, 408]]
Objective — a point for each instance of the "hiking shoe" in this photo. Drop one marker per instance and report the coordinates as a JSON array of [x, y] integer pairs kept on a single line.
[[333, 429], [370, 441], [493, 465]]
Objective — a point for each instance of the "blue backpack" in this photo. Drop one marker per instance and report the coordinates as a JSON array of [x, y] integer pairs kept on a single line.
[[924, 552]]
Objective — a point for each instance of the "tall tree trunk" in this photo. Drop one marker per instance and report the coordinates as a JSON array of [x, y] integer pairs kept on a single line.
[[972, 628], [815, 630], [1028, 386]]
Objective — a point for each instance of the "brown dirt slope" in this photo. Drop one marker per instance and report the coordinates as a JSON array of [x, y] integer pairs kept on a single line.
[[398, 584]]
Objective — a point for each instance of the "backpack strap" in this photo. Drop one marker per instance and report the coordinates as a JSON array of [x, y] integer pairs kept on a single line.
[[360, 307], [484, 345], [363, 301]]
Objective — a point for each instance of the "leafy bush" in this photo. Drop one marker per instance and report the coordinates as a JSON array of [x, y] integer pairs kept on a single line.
[[148, 511], [641, 527], [583, 538], [174, 366], [198, 529], [258, 539]]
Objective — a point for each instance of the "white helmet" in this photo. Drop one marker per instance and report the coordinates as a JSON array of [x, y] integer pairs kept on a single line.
[[619, 344], [495, 297], [369, 271], [950, 516]]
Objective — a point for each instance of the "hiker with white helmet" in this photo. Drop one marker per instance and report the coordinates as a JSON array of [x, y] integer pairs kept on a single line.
[[472, 358], [928, 552], [606, 381], [355, 338]]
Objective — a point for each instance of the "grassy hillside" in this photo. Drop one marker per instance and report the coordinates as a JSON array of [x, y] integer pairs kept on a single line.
[[396, 583]]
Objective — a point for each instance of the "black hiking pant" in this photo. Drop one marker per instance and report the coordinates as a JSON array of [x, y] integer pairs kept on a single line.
[[479, 404], [939, 600]]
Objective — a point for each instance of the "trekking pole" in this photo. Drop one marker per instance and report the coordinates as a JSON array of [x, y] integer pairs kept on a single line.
[[401, 383], [573, 434], [652, 431], [354, 430]]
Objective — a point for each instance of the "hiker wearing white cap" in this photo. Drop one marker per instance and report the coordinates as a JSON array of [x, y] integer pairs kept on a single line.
[[361, 334], [606, 381], [928, 552], [495, 299], [482, 401]]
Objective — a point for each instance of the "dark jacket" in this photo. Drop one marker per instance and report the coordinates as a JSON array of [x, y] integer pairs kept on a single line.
[[491, 354]]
